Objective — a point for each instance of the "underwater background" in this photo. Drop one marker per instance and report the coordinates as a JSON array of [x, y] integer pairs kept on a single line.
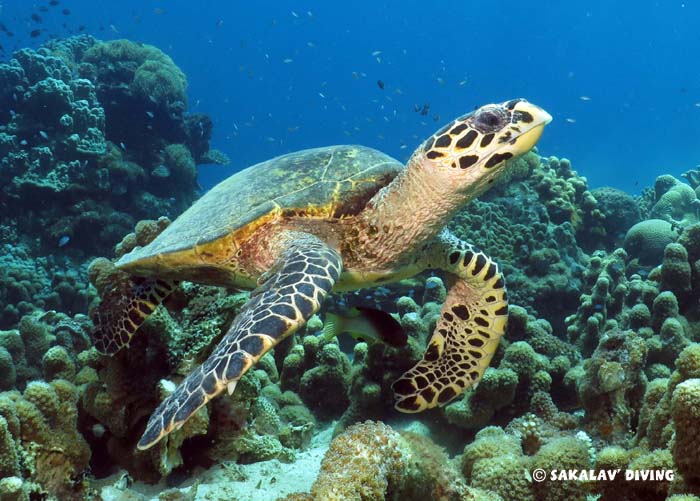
[[116, 117]]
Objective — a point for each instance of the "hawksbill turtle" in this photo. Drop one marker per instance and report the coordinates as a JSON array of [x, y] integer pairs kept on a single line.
[[345, 217]]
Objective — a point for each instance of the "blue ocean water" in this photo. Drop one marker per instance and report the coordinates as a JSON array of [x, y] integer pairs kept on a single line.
[[277, 76]]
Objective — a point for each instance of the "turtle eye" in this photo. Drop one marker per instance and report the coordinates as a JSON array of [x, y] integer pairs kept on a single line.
[[489, 119]]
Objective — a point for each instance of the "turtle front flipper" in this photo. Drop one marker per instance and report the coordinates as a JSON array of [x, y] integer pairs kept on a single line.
[[123, 308], [471, 323], [306, 272]]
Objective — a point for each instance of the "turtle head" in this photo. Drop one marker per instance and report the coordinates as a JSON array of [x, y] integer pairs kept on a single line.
[[471, 152]]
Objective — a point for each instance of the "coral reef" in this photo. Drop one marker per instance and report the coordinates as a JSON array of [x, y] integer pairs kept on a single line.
[[93, 137], [599, 367], [372, 461], [39, 439]]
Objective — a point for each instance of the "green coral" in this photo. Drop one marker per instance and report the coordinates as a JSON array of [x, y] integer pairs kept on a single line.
[[8, 374], [562, 454], [647, 240], [154, 75], [39, 437], [495, 391], [324, 388], [676, 203], [613, 384], [685, 411], [676, 272]]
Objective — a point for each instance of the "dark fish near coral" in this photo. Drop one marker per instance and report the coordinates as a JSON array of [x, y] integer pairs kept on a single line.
[[380, 84], [365, 324], [54, 3], [35, 33], [65, 12], [36, 18]]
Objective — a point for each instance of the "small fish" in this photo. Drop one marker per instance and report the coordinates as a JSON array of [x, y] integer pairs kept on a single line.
[[219, 23], [380, 84], [322, 95], [376, 53], [149, 114], [36, 18], [123, 147], [462, 82], [159, 11], [571, 120], [310, 44], [585, 98], [63, 240], [441, 80], [65, 12], [294, 14], [365, 324], [54, 3], [43, 134], [288, 60], [34, 33]]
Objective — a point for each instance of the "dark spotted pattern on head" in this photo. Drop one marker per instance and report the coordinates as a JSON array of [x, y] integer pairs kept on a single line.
[[487, 137], [523, 116], [467, 140], [443, 141], [467, 161], [486, 140], [472, 320], [458, 129], [497, 158]]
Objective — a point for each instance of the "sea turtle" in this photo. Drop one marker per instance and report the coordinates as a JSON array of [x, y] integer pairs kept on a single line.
[[336, 218]]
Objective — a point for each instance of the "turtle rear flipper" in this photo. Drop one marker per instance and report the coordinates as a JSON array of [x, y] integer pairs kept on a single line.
[[466, 336], [306, 272], [124, 308]]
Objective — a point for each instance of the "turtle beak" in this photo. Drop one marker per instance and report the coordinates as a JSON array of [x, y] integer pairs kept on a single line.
[[531, 119]]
